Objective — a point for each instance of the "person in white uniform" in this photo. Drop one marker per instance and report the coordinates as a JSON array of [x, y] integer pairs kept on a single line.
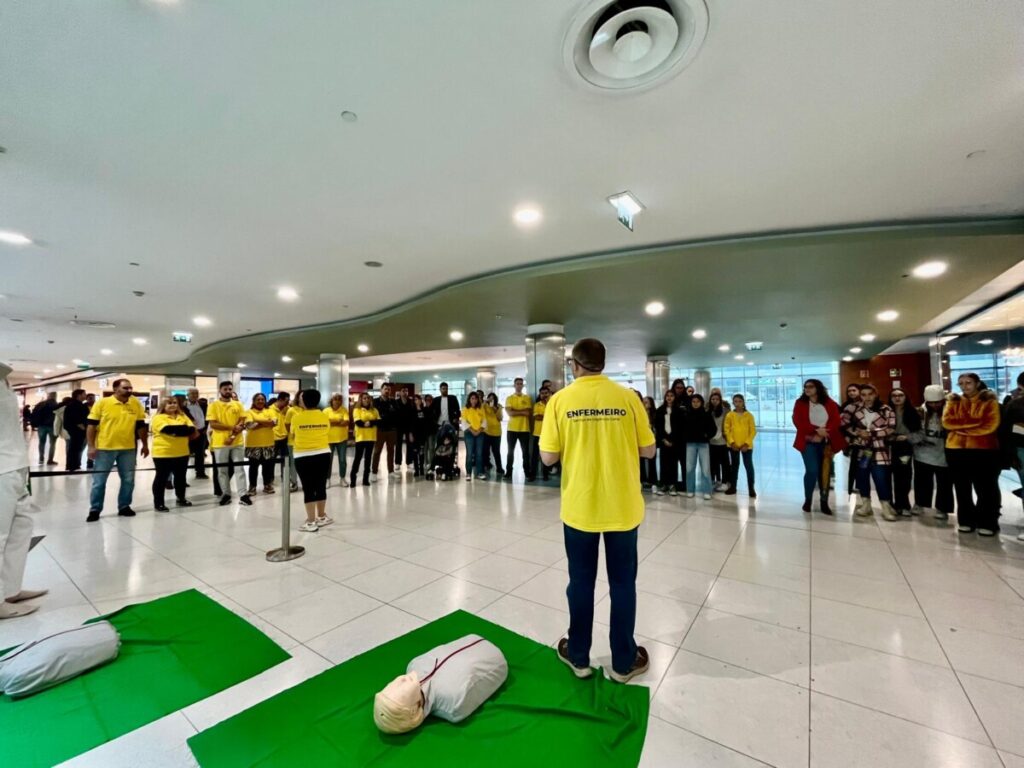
[[15, 523]]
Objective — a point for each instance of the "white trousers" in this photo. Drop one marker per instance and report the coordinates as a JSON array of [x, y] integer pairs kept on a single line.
[[15, 530], [225, 456]]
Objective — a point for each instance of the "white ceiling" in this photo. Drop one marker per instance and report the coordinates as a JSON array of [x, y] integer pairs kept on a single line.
[[203, 141]]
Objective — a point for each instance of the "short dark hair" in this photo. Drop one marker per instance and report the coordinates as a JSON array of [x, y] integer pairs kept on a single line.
[[283, 396], [225, 384], [310, 398], [117, 383], [76, 393], [589, 354], [520, 378], [442, 384]]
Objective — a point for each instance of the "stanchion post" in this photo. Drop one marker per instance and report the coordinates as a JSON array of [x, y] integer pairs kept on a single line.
[[286, 551]]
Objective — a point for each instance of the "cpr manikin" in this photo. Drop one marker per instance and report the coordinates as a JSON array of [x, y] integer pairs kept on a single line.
[[15, 523], [450, 682]]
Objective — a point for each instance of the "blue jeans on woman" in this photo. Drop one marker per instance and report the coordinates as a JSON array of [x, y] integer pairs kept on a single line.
[[341, 449], [697, 452], [105, 461], [475, 452], [880, 473], [813, 455], [621, 561]]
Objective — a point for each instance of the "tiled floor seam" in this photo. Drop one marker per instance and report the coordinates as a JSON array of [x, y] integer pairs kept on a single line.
[[712, 741]]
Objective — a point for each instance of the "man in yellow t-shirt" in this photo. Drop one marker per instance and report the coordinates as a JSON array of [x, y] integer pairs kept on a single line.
[[519, 408], [598, 429], [225, 417], [282, 405], [114, 426]]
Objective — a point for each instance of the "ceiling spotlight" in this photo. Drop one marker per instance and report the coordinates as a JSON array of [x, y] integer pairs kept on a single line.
[[856, 350], [14, 238], [929, 269], [622, 365], [276, 374], [654, 308], [242, 365], [437, 376], [47, 370], [198, 370], [867, 337], [527, 216], [888, 315], [202, 321], [456, 336], [364, 348], [285, 359], [847, 359], [106, 351], [36, 376], [723, 348], [285, 293], [627, 207], [700, 333], [952, 352], [78, 361], [737, 357], [750, 362], [139, 341], [985, 342], [60, 366]]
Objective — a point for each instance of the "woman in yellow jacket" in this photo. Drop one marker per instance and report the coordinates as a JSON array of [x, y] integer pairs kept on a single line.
[[171, 430], [492, 432], [309, 430], [971, 421], [739, 430], [337, 413], [364, 419]]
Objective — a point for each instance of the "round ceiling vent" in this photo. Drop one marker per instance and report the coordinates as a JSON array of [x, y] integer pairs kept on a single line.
[[634, 44]]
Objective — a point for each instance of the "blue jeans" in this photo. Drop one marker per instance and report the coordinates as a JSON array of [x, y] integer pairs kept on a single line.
[[697, 452], [105, 461], [341, 449], [880, 473], [814, 455], [475, 452], [621, 560], [43, 433]]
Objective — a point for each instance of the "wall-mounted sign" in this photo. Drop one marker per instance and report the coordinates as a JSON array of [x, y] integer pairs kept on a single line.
[[181, 336], [865, 373], [894, 372]]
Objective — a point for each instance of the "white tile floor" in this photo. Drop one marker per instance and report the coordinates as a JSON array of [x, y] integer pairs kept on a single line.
[[776, 638]]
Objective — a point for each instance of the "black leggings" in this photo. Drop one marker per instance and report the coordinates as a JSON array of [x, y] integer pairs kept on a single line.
[[364, 451], [719, 463], [492, 449], [313, 471], [165, 468]]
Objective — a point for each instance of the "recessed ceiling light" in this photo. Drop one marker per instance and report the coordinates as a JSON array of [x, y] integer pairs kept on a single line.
[[286, 293], [856, 350], [60, 366], [622, 365], [626, 201], [202, 321], [750, 362], [276, 374], [139, 341], [198, 370], [285, 359], [14, 238], [242, 365], [77, 361], [723, 348], [106, 351], [737, 357], [654, 308], [47, 370], [847, 359], [867, 337], [700, 333], [37, 376], [527, 216], [888, 315], [986, 342], [456, 336], [363, 348], [952, 352], [437, 376], [929, 269]]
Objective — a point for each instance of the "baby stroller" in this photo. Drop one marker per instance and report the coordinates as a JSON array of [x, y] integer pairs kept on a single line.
[[445, 465]]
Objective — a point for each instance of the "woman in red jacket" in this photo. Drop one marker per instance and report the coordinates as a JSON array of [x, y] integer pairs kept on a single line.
[[816, 418]]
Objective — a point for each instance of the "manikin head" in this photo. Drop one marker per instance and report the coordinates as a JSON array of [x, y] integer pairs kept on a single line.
[[399, 707]]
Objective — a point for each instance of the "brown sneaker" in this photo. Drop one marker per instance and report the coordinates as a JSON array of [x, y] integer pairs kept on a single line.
[[640, 665], [563, 656]]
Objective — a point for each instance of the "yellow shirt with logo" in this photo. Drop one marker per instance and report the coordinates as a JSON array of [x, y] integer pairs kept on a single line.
[[263, 437], [310, 428], [493, 415], [118, 423], [538, 424], [281, 428], [365, 434], [598, 428], [339, 424], [474, 417], [518, 402], [169, 446], [227, 414]]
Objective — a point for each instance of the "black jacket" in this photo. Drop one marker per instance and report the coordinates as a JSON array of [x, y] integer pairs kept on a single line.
[[699, 426], [75, 415], [454, 411], [406, 416], [42, 414], [422, 424], [677, 421], [389, 411]]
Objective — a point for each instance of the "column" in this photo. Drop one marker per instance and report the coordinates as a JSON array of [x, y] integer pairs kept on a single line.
[[332, 377], [234, 375], [545, 356], [487, 380], [657, 372], [702, 382]]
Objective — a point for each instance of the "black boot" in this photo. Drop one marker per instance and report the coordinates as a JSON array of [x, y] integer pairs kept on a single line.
[[825, 508]]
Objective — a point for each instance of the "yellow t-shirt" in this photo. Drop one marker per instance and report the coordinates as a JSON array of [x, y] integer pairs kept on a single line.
[[264, 436], [228, 414], [169, 446], [474, 417], [598, 428], [118, 423], [339, 424], [288, 416], [310, 428], [739, 428], [493, 415], [518, 402], [281, 428], [538, 424], [365, 434]]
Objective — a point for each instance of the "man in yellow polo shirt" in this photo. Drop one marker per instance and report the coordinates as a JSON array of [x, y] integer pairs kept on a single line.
[[114, 426], [519, 408], [225, 417], [598, 429]]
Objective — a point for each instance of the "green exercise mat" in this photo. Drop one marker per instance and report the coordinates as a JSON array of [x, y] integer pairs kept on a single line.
[[542, 715], [174, 651]]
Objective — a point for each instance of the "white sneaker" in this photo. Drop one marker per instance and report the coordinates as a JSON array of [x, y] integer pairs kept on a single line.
[[468, 478], [481, 477], [941, 516], [373, 477], [673, 492], [322, 521], [658, 491], [308, 527], [707, 496], [344, 483], [690, 494]]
